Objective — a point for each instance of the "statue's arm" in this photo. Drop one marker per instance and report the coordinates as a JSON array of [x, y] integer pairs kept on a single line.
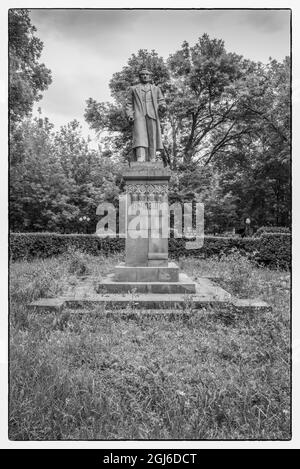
[[129, 105]]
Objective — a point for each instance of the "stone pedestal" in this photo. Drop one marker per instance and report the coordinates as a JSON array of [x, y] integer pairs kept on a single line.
[[147, 268], [146, 187]]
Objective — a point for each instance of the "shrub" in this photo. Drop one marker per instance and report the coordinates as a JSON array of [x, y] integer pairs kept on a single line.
[[271, 229], [275, 249]]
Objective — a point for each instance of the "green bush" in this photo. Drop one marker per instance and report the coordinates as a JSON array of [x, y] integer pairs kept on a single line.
[[271, 229], [275, 249], [269, 248], [213, 245], [30, 245]]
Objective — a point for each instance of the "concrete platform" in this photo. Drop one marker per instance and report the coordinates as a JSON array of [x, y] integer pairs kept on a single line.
[[207, 295], [251, 305]]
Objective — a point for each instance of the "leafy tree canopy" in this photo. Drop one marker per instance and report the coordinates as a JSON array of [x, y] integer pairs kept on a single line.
[[28, 77], [224, 113]]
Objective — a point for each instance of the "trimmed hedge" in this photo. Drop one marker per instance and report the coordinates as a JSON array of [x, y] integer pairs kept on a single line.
[[272, 249], [213, 245], [275, 249], [29, 245], [272, 229]]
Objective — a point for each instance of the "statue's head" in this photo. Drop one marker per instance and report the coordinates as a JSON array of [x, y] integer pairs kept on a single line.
[[145, 75]]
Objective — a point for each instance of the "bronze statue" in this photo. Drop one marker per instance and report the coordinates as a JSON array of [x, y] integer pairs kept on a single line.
[[142, 106]]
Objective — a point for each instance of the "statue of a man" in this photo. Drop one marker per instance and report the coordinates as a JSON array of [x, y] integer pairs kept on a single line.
[[142, 111]]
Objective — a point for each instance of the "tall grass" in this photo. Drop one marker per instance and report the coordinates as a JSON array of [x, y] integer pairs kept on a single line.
[[204, 375]]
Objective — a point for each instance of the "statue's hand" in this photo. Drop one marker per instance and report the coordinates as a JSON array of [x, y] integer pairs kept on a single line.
[[162, 109]]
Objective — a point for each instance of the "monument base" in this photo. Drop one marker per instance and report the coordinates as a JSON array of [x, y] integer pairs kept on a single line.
[[207, 295]]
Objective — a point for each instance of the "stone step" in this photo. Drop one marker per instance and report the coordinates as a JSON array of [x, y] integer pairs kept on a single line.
[[169, 273], [184, 285], [153, 301]]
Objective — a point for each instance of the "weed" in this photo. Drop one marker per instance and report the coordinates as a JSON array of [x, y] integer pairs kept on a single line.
[[77, 262]]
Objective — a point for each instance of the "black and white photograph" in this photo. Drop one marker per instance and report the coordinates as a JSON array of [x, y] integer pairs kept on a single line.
[[150, 225]]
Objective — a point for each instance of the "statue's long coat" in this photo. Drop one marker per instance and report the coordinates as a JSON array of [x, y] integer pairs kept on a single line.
[[134, 108]]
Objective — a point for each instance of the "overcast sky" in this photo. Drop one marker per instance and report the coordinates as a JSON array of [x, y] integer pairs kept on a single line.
[[83, 48]]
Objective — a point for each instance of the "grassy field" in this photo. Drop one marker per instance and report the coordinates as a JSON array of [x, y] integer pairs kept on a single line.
[[199, 375]]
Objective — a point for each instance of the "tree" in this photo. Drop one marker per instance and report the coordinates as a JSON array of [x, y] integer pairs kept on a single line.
[[257, 167], [58, 180], [209, 81], [27, 77], [226, 129], [37, 184], [92, 176], [197, 83], [226, 137]]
